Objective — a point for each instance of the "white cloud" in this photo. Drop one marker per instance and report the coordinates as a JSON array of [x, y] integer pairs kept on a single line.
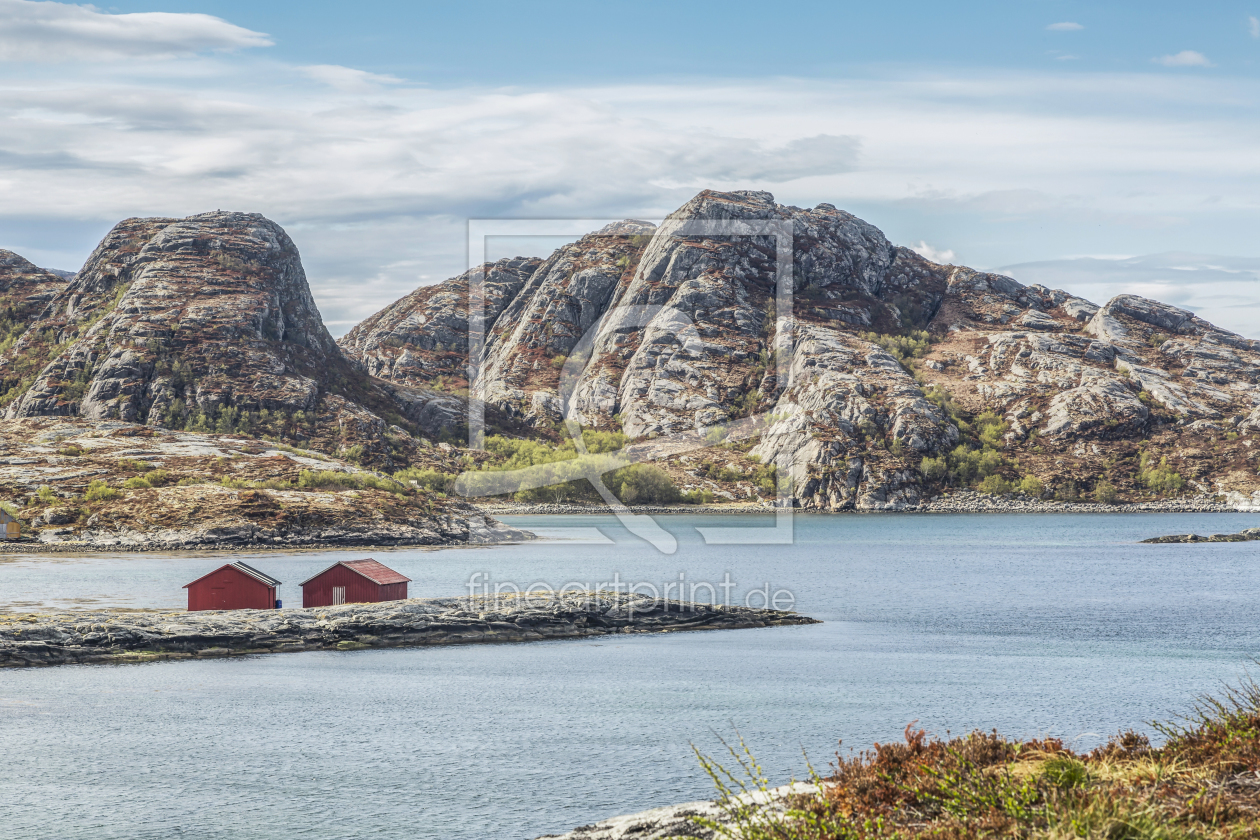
[[375, 189], [1185, 58], [1222, 290], [944, 257], [1065, 26], [51, 32], [1253, 26], [347, 78]]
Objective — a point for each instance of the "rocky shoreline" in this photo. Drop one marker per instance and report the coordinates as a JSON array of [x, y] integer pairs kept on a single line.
[[444, 532], [680, 821], [963, 501], [103, 636]]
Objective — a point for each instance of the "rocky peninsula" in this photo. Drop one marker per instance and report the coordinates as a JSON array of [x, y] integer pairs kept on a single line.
[[115, 636]]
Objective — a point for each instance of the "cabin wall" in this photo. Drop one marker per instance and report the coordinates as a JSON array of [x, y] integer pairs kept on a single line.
[[359, 590], [229, 589]]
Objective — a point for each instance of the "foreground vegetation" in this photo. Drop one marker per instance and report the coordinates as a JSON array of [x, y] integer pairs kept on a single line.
[[1203, 782]]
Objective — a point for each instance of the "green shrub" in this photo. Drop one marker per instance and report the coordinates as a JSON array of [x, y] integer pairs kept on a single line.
[[995, 485], [1030, 485], [71, 451], [1161, 478], [138, 466], [432, 480], [992, 428], [137, 482], [334, 480], [642, 484], [1105, 492], [158, 478], [914, 345], [934, 469], [968, 465], [1065, 772], [46, 494], [99, 491]]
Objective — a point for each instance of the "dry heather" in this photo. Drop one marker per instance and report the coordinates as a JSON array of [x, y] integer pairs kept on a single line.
[[1203, 782]]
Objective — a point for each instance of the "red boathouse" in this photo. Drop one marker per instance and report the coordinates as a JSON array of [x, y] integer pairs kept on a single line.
[[235, 586], [354, 582]]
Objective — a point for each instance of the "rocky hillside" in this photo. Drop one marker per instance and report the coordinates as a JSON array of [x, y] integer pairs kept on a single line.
[[201, 324], [422, 340], [98, 484], [889, 380], [905, 378]]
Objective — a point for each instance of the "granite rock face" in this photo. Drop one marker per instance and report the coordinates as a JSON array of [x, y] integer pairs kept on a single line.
[[424, 336], [173, 318], [676, 330], [26, 289]]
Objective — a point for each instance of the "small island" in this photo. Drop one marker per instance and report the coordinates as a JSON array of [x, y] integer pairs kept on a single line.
[[141, 636]]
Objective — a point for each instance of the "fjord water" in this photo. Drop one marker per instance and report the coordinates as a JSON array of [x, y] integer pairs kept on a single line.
[[1035, 625]]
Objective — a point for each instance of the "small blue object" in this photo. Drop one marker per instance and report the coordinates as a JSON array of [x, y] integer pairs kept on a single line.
[[279, 603]]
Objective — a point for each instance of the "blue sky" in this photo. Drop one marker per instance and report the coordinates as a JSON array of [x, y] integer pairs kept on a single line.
[[1066, 143]]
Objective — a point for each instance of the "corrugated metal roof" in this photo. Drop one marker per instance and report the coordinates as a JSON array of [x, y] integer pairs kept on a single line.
[[262, 577], [370, 569]]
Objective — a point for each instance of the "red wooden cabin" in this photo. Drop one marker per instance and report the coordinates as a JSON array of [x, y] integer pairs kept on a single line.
[[235, 586], [354, 582]]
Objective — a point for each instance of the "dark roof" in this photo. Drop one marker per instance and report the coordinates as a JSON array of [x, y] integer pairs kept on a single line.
[[4, 517], [261, 577], [370, 569]]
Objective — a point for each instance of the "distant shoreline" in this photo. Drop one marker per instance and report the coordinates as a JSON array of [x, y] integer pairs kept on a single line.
[[962, 502]]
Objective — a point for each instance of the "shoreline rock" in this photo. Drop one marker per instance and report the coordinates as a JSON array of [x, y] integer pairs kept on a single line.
[[102, 636], [446, 532], [965, 501], [1241, 536], [675, 821]]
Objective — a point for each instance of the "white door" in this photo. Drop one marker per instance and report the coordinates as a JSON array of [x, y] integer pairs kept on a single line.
[[339, 595]]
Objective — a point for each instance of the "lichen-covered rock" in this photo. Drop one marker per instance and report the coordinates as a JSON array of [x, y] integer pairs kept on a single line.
[[844, 392], [564, 299], [683, 336], [424, 336], [173, 322]]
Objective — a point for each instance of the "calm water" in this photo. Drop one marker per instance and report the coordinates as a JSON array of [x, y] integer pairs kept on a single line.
[[1033, 624]]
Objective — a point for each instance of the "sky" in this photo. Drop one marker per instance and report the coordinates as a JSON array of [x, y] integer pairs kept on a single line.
[[1097, 147]]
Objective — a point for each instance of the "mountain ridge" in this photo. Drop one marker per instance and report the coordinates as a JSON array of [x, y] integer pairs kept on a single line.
[[904, 377]]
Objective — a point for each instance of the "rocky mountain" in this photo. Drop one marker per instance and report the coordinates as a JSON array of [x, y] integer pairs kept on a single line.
[[207, 324], [422, 339], [875, 378], [904, 377], [25, 291]]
